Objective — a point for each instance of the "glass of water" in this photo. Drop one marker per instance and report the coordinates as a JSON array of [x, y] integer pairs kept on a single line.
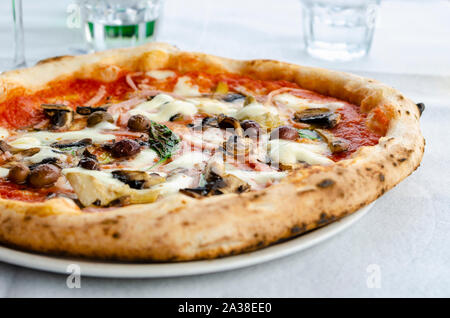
[[119, 23], [339, 30]]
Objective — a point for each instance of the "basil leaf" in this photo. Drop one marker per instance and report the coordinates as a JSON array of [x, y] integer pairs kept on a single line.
[[308, 134], [162, 140]]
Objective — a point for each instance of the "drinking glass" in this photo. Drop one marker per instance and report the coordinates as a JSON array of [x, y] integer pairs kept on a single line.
[[119, 23], [339, 29], [18, 43]]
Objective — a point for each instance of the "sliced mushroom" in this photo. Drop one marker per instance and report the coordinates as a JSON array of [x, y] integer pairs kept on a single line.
[[217, 182], [210, 122], [227, 122], [321, 117], [60, 115], [72, 144], [44, 175], [98, 117], [138, 123], [4, 147], [335, 144], [138, 179], [237, 146], [87, 110], [18, 173]]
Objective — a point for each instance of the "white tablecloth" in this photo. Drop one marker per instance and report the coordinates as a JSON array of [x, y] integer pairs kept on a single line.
[[407, 232]]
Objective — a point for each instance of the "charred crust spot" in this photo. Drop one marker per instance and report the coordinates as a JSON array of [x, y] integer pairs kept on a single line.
[[394, 164], [325, 183], [402, 159], [109, 221], [186, 223], [297, 229], [421, 107], [381, 177], [324, 219], [116, 235], [27, 218], [407, 112], [368, 169]]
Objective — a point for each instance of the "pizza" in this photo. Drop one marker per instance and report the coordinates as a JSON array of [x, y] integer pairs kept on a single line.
[[155, 154]]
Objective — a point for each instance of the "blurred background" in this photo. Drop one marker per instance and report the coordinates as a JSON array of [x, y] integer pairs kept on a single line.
[[411, 37]]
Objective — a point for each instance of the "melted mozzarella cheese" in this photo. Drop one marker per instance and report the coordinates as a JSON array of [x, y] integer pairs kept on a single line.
[[3, 133], [25, 142], [154, 103], [255, 178], [3, 172], [174, 183], [94, 133], [299, 104], [186, 161], [253, 110], [185, 88], [103, 176], [146, 158], [45, 153], [160, 75], [167, 110], [214, 106], [289, 152]]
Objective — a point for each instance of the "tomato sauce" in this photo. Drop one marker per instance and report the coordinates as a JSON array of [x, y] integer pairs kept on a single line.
[[23, 110]]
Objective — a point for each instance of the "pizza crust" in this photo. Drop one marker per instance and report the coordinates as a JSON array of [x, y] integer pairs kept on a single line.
[[179, 228]]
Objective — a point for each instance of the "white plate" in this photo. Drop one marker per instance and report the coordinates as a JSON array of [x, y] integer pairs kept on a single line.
[[134, 270]]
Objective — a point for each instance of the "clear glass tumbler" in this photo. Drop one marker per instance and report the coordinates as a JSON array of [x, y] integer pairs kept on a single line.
[[119, 23], [339, 30]]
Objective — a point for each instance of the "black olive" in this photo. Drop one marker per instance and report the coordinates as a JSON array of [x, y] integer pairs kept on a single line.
[[44, 176], [88, 163], [251, 128], [125, 148], [232, 97], [97, 117], [18, 173], [284, 132], [138, 123]]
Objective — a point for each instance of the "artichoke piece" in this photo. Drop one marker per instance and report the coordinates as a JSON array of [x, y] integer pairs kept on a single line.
[[222, 88], [60, 115], [138, 179], [100, 188], [335, 144]]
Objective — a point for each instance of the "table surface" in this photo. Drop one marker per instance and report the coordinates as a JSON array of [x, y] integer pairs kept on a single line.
[[405, 235]]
